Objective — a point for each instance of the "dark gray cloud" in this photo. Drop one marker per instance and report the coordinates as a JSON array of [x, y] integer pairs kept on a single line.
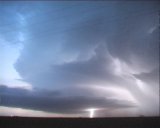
[[15, 97], [70, 50], [151, 78], [132, 37], [78, 43]]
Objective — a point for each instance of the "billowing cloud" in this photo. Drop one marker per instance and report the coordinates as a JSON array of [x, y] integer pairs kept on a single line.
[[90, 55]]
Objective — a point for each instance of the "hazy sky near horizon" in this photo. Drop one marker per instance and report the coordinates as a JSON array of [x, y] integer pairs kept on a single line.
[[74, 59]]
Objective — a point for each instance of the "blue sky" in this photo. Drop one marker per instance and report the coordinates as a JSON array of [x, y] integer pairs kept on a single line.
[[77, 58]]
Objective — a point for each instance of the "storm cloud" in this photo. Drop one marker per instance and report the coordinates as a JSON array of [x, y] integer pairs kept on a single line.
[[75, 56], [15, 97]]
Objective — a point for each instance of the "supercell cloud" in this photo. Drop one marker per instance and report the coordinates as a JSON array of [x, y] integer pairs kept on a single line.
[[64, 58]]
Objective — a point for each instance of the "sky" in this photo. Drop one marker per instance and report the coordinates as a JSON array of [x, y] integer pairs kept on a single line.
[[79, 58]]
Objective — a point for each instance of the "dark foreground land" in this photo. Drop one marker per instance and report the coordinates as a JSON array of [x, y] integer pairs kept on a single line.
[[131, 122]]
